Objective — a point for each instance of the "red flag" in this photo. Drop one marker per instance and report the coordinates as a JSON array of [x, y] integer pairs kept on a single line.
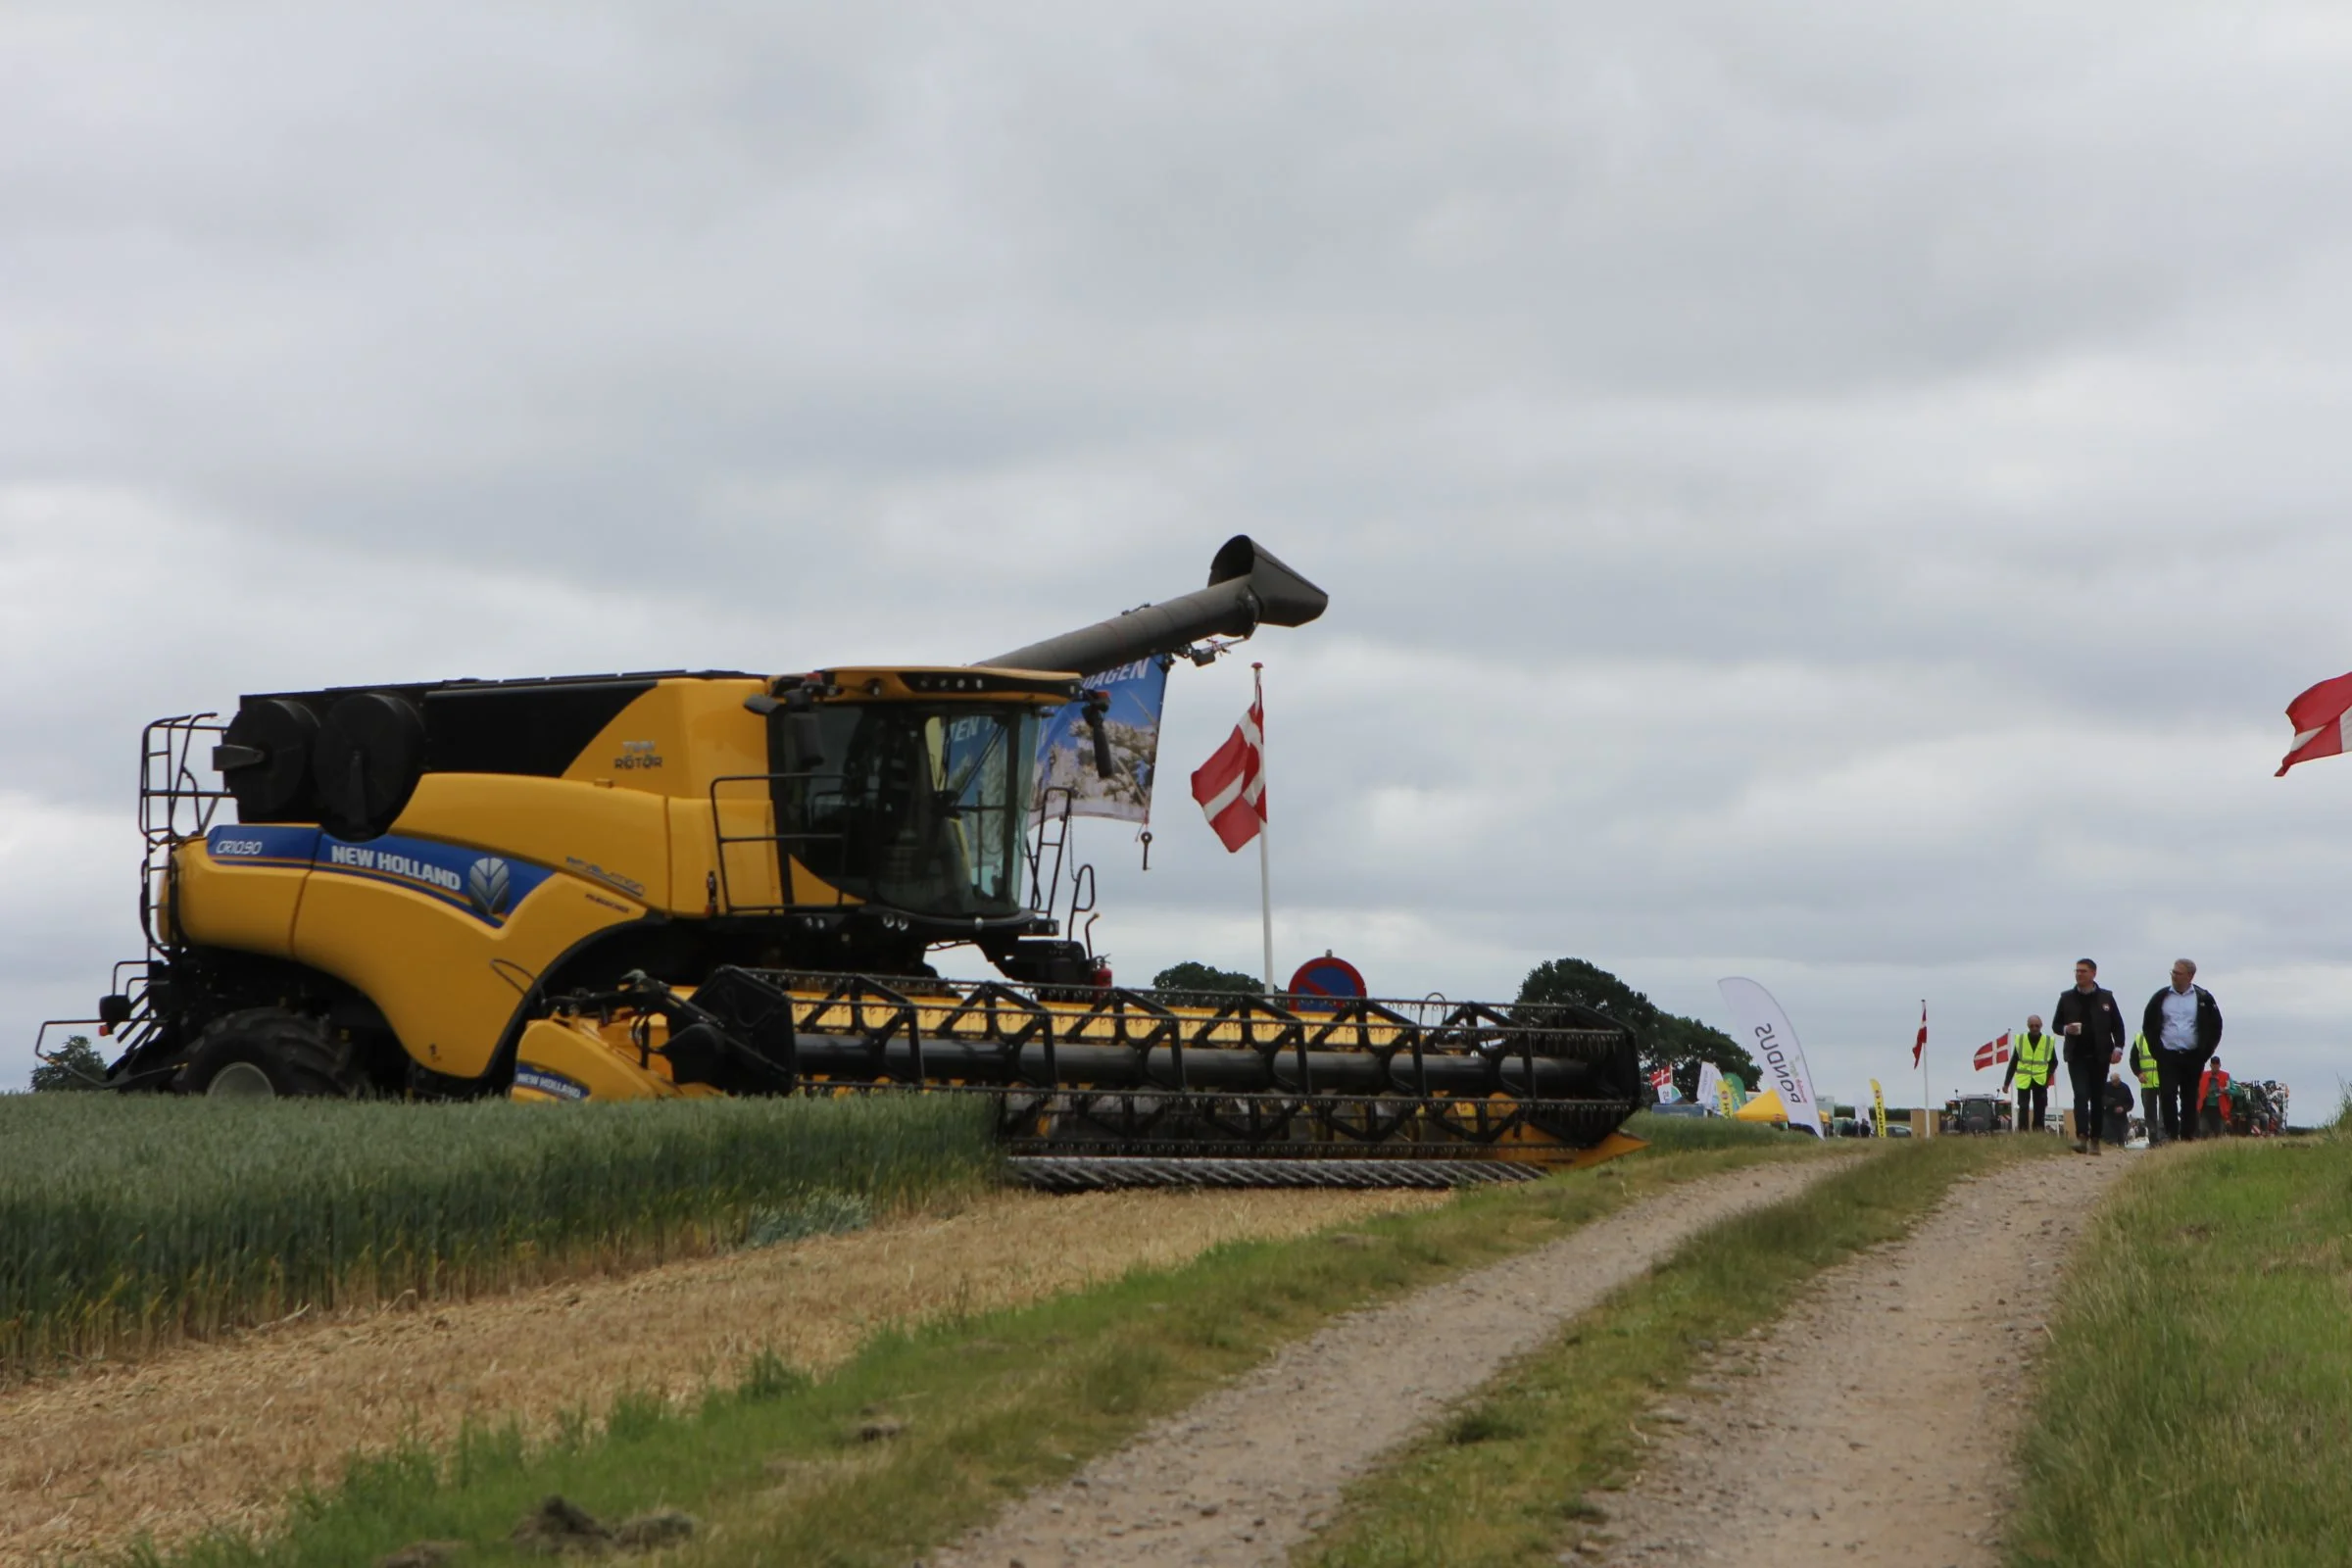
[[1922, 1035], [2319, 719], [1661, 1078], [1231, 786]]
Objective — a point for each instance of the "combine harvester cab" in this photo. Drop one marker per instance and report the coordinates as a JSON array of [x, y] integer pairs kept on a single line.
[[718, 883]]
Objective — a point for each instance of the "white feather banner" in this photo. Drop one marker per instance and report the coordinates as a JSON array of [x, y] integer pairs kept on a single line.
[[1765, 1031]]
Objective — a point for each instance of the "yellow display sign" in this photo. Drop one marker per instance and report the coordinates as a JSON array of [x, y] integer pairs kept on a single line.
[[1878, 1106]]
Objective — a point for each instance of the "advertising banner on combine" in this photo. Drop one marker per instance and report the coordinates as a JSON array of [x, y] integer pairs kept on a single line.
[[1764, 1029], [1066, 747]]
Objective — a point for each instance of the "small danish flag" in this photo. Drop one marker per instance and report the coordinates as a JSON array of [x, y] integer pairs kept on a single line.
[[1231, 786]]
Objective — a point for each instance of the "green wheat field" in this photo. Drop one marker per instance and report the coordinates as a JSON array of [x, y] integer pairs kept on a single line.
[[127, 1221]]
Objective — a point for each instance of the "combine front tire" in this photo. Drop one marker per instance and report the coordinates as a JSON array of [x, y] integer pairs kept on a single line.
[[264, 1054]]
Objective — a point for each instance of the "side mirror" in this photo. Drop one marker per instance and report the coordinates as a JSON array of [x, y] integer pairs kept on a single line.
[[115, 1010], [806, 737], [1097, 706]]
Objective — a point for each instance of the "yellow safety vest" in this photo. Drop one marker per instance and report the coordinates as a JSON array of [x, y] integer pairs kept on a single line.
[[2143, 1063], [2034, 1059]]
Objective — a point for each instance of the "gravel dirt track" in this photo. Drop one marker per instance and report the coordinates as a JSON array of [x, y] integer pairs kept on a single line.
[[1875, 1423], [218, 1435], [1255, 1467]]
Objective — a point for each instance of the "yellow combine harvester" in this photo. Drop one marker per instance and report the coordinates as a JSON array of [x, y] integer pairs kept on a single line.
[[624, 887]]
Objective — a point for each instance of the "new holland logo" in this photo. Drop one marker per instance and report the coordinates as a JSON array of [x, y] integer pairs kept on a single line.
[[488, 885]]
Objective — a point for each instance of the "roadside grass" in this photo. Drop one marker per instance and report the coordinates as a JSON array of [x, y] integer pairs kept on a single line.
[[1664, 1133], [1508, 1479], [2198, 1408], [925, 1433]]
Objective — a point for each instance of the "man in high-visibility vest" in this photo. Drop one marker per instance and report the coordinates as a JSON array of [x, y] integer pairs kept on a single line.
[[2144, 1067], [2031, 1060]]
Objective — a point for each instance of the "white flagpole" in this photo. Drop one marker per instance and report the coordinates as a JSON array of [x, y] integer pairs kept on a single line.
[[1927, 1100], [1265, 865]]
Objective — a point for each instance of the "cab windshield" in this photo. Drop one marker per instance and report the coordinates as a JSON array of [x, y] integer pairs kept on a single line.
[[922, 808]]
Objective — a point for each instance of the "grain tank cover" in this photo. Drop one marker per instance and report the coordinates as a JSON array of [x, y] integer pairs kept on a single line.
[[1247, 587]]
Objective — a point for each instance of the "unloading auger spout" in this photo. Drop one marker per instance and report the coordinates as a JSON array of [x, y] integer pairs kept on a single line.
[[1248, 588]]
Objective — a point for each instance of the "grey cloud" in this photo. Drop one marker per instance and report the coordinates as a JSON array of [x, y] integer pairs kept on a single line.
[[1840, 498]]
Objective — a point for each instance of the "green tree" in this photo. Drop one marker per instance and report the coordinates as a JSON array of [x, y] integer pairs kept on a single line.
[[1189, 976], [1685, 1043], [71, 1065], [1663, 1039]]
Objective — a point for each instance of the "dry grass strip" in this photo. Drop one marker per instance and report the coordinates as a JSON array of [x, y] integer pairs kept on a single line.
[[218, 1435]]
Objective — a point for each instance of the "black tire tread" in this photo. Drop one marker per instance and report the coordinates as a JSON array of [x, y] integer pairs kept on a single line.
[[292, 1048]]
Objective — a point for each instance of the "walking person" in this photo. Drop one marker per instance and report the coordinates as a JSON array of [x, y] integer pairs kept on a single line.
[[2030, 1067], [2186, 1024], [2087, 1019], [2151, 1094]]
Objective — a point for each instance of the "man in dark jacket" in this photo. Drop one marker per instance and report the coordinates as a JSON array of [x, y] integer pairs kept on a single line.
[[2184, 1024], [2087, 1019]]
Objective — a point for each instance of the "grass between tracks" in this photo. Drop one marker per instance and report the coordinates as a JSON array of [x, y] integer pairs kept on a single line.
[[1505, 1480], [787, 1471], [2198, 1402]]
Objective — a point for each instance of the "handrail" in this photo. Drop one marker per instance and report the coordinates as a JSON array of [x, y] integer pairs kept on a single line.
[[783, 868]]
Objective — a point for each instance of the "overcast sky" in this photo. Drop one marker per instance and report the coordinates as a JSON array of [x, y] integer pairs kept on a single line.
[[1840, 496]]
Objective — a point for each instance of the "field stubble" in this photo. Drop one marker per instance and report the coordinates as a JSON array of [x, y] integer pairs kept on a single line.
[[985, 1407], [216, 1435]]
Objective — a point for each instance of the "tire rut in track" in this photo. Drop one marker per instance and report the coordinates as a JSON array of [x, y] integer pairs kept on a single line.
[[1256, 1466], [1875, 1422]]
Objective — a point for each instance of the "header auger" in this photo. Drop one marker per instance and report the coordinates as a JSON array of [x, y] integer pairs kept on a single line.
[[638, 886]]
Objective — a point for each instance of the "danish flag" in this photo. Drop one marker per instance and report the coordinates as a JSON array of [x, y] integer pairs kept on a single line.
[[1923, 1034], [1661, 1078], [1231, 786], [2319, 719], [1993, 1053]]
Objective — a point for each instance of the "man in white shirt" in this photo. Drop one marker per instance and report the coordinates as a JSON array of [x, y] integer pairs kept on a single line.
[[2185, 1024]]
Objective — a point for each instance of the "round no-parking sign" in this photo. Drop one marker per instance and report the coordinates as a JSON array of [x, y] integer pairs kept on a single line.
[[1327, 976]]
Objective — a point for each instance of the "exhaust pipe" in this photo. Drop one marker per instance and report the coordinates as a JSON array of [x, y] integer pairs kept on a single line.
[[1248, 588]]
